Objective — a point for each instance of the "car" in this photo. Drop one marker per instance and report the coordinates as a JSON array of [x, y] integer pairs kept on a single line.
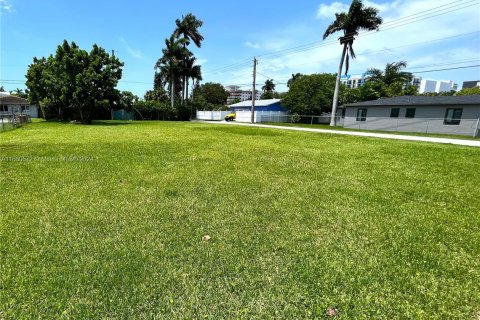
[[230, 117]]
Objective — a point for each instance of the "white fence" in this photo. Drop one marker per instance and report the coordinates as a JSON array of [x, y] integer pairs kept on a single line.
[[468, 127], [211, 115], [263, 116]]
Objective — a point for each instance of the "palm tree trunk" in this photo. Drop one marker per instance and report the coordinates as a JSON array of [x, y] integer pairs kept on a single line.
[[337, 88]]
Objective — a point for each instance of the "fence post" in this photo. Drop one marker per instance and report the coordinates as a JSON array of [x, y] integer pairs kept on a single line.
[[428, 121], [311, 122]]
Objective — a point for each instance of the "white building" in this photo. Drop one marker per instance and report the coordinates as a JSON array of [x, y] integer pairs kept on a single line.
[[14, 105], [353, 81], [242, 95], [436, 86]]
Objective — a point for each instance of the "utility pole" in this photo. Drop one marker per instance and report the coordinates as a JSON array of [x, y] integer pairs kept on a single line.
[[252, 120], [113, 53]]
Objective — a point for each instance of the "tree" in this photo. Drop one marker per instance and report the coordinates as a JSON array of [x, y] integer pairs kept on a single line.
[[73, 81], [172, 63], [19, 93], [127, 100], [468, 91], [2, 89], [357, 18], [311, 94], [213, 93], [391, 74], [269, 86], [293, 78], [188, 29]]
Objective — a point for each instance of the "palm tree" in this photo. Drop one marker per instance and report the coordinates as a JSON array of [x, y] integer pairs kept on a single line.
[[191, 71], [293, 78], [171, 64], [269, 86], [188, 29], [391, 74], [357, 18]]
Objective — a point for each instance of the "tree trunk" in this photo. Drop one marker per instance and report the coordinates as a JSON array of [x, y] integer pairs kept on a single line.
[[333, 118], [172, 91]]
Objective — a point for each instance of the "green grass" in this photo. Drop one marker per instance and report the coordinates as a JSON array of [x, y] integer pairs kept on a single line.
[[328, 127], [106, 221]]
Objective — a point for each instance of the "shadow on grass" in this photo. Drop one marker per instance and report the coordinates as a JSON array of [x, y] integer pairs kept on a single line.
[[110, 123]]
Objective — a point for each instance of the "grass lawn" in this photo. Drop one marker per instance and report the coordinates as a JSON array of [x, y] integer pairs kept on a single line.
[[328, 127], [106, 221]]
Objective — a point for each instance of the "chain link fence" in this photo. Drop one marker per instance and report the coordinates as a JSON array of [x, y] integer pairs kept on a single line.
[[12, 121]]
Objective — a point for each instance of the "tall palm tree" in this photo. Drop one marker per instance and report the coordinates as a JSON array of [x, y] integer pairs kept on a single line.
[[269, 86], [171, 64], [188, 29], [192, 71], [392, 74], [357, 18]]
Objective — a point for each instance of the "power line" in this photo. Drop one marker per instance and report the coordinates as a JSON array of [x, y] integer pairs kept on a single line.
[[465, 67]]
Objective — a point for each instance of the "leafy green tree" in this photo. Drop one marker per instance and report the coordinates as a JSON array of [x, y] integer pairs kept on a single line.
[[311, 94], [2, 89], [269, 86], [127, 100], [357, 18], [236, 100], [213, 93], [75, 82], [468, 91]]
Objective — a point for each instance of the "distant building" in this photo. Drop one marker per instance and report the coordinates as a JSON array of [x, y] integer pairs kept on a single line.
[[471, 84], [353, 81], [15, 105], [242, 95], [436, 86]]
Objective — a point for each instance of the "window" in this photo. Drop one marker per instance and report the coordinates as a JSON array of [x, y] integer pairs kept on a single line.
[[410, 113], [453, 116], [3, 108], [361, 114], [25, 108], [394, 112]]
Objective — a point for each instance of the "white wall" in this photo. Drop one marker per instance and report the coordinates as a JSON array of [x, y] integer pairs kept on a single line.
[[211, 115]]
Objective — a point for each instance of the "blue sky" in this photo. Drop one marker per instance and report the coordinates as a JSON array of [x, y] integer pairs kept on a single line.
[[420, 32]]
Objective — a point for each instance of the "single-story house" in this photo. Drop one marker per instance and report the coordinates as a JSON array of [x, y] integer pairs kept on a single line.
[[12, 104], [260, 105], [440, 114]]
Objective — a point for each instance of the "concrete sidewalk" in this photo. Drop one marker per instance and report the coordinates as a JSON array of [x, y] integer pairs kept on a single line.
[[460, 142]]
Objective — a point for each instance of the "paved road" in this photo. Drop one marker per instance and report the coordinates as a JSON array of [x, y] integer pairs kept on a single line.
[[460, 142]]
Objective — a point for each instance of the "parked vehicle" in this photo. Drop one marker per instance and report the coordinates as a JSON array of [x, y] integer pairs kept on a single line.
[[230, 117]]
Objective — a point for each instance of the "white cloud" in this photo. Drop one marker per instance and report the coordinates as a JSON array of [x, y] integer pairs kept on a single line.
[[134, 53], [5, 6], [328, 11], [252, 45]]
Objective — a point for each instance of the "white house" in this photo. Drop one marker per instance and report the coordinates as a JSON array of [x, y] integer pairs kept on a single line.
[[14, 105], [442, 114]]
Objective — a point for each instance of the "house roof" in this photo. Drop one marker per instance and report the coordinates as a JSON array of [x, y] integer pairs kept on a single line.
[[419, 101], [5, 99], [258, 103]]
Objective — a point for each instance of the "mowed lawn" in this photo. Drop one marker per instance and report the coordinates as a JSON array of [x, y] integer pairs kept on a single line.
[[106, 221]]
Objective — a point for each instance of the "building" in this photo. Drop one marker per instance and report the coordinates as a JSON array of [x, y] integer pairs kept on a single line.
[[353, 81], [427, 86], [242, 95], [260, 105], [14, 105], [471, 84], [438, 114]]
